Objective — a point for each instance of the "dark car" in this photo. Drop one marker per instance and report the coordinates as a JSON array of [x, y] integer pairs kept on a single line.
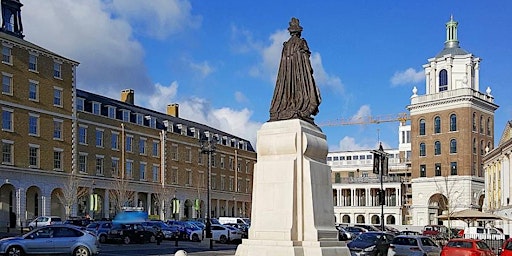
[[100, 229], [242, 227], [131, 233], [80, 222], [371, 243], [343, 234], [355, 231], [169, 232]]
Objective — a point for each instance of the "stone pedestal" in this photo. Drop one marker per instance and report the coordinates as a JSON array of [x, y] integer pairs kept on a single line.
[[292, 204]]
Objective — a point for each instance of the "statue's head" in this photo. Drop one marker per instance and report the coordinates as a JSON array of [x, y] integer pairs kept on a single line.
[[294, 26]]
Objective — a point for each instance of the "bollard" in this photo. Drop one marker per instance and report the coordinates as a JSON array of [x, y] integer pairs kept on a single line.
[[211, 243], [176, 241], [8, 227], [181, 253]]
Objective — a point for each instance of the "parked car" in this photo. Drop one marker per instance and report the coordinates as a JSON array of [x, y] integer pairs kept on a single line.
[[368, 227], [343, 234], [238, 220], [506, 249], [371, 243], [42, 221], [436, 231], [235, 234], [416, 245], [242, 227], [54, 239], [100, 229], [464, 246], [170, 232], [78, 221], [131, 232], [220, 233], [483, 233], [409, 233], [355, 231]]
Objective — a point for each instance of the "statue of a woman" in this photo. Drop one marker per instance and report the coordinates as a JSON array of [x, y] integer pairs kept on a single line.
[[295, 94]]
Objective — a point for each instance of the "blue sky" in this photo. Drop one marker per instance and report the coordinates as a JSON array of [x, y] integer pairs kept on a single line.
[[219, 59]]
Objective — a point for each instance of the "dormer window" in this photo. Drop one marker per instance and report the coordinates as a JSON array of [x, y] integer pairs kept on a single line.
[[139, 119], [96, 108], [112, 112], [126, 115], [152, 121], [80, 104], [443, 80]]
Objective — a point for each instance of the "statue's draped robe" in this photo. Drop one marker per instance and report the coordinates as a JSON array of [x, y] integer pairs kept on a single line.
[[295, 94]]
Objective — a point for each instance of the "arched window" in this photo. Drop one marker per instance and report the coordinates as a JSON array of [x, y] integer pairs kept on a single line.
[[482, 148], [474, 122], [443, 80], [422, 149], [437, 148], [488, 146], [453, 122], [437, 124], [453, 146], [474, 146], [489, 126], [481, 124], [422, 126]]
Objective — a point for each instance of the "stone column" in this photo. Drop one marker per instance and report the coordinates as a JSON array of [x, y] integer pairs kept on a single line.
[[292, 210]]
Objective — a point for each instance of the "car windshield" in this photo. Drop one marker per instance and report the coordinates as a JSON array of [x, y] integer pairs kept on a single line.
[[482, 245], [508, 246], [368, 237], [427, 242]]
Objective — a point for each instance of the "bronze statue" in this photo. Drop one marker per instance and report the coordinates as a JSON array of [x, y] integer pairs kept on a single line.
[[295, 94]]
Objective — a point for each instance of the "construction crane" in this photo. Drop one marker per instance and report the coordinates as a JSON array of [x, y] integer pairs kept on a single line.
[[363, 120]]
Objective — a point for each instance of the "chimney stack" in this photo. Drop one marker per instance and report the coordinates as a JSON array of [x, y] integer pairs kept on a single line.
[[173, 110], [128, 96]]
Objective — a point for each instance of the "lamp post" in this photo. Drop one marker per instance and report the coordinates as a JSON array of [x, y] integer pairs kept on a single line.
[[380, 166], [208, 147]]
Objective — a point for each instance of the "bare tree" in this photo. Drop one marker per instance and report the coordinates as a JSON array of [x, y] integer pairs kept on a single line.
[[451, 197], [163, 196], [120, 194], [70, 192]]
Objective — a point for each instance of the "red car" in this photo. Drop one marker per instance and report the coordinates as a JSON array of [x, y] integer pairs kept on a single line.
[[466, 247], [506, 249]]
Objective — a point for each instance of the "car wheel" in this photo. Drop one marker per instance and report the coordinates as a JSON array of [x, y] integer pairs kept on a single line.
[[15, 251], [126, 240], [103, 239], [81, 251], [152, 239], [195, 238], [223, 239]]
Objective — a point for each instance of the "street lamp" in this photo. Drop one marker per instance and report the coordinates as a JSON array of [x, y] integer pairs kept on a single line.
[[380, 166], [208, 143]]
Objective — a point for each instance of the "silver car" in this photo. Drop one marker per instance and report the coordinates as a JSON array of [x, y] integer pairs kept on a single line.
[[54, 239], [413, 245]]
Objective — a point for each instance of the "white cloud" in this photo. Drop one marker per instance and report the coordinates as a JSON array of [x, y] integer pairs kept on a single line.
[[240, 97], [156, 18], [349, 144], [162, 96], [362, 113], [322, 78], [407, 77], [204, 68]]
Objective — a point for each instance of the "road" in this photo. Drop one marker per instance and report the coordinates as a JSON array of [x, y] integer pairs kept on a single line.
[[167, 248]]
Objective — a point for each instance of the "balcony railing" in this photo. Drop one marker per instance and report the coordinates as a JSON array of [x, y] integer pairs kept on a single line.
[[345, 180]]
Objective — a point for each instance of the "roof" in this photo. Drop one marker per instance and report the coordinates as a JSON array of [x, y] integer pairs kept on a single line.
[[452, 50]]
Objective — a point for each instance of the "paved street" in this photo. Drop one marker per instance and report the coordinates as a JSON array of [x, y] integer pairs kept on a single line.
[[167, 248]]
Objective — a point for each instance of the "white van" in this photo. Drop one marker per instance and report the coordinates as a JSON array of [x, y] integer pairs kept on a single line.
[[235, 220], [483, 233]]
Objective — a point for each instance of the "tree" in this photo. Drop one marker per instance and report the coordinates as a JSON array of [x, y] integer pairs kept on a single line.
[[120, 194], [451, 196], [70, 192], [163, 197]]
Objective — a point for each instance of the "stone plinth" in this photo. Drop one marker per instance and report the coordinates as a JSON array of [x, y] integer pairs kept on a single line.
[[292, 204]]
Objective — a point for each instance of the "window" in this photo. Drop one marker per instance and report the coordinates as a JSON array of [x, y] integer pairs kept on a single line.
[[32, 62], [156, 172], [57, 70], [99, 165], [214, 181], [422, 149], [96, 108], [129, 169], [129, 143], [115, 167], [247, 186], [99, 138], [453, 146], [33, 156], [57, 129], [154, 148], [142, 171], [142, 146], [201, 180], [7, 120], [474, 122], [112, 112], [152, 122], [423, 170], [481, 124], [453, 168], [231, 183], [139, 119], [126, 115], [33, 124], [482, 147], [7, 152], [6, 55], [80, 103], [6, 83], [489, 126], [174, 175], [437, 148], [188, 152], [437, 124], [33, 90], [82, 162], [57, 97], [57, 159], [443, 80], [438, 169], [82, 135], [114, 141], [189, 177], [474, 145], [453, 122], [222, 164], [422, 127], [222, 182], [174, 152]]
